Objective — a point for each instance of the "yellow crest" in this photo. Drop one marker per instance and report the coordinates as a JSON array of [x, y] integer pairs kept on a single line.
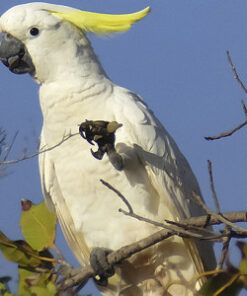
[[101, 23]]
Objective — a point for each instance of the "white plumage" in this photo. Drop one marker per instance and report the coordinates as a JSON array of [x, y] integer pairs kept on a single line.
[[156, 179]]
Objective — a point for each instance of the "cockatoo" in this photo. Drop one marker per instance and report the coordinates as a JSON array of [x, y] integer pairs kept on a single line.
[[50, 43]]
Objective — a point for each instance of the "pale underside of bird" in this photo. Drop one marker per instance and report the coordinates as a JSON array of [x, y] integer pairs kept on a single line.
[[50, 43]]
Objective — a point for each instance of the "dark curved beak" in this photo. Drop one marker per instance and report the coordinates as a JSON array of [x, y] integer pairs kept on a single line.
[[14, 55]]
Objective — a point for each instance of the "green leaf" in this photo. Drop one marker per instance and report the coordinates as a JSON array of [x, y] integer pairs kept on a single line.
[[4, 290], [18, 251], [46, 289], [35, 284], [218, 281], [38, 225], [243, 264]]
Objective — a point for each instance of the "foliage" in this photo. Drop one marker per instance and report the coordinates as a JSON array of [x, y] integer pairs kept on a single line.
[[36, 264], [38, 225], [228, 282]]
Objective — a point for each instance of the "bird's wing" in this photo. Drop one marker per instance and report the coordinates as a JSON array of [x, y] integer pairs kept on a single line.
[[55, 202], [167, 169]]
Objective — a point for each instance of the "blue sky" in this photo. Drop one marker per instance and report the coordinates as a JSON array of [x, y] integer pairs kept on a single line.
[[176, 60]]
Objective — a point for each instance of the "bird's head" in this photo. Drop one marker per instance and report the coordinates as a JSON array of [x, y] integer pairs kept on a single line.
[[36, 36]]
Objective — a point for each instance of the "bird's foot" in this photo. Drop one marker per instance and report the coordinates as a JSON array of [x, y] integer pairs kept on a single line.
[[101, 266], [103, 134]]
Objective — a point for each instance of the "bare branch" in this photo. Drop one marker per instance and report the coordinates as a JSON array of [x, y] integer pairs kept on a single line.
[[227, 134], [207, 220], [220, 217], [244, 108], [224, 251], [11, 146], [235, 72], [42, 150], [119, 194], [216, 201], [175, 229], [181, 231]]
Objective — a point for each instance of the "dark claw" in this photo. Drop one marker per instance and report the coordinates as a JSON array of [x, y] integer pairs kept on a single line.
[[98, 154], [101, 266], [89, 141], [83, 130], [102, 133]]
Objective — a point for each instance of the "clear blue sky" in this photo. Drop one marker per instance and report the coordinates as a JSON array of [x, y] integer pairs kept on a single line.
[[176, 60]]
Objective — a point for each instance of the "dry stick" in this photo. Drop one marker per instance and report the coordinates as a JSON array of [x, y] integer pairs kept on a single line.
[[192, 227], [174, 228], [220, 217], [228, 229], [229, 133], [208, 220], [11, 146], [177, 230], [224, 251], [42, 150], [235, 72], [216, 201], [119, 194], [244, 108]]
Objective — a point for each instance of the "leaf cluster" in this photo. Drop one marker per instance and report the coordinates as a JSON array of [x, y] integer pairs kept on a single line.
[[35, 262], [229, 281]]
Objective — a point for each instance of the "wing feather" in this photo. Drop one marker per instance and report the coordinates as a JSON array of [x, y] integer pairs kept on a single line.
[[56, 202], [167, 169]]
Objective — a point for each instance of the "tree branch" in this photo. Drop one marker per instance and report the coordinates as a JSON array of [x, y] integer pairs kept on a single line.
[[82, 275], [41, 150], [229, 133], [235, 72], [226, 134]]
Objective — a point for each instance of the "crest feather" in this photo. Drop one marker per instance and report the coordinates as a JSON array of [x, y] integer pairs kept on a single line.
[[101, 23]]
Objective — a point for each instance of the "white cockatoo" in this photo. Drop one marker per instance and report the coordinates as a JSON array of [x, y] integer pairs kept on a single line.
[[50, 43]]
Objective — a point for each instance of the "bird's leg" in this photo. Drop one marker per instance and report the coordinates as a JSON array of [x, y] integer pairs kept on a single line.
[[101, 266], [103, 134]]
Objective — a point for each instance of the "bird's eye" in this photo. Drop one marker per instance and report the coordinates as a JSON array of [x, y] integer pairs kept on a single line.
[[34, 31]]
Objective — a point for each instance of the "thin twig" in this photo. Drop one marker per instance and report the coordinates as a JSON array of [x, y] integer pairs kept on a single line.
[[208, 220], [219, 216], [224, 251], [119, 194], [227, 134], [216, 201], [227, 228], [42, 150], [191, 227], [181, 231], [244, 108], [11, 146], [235, 72]]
